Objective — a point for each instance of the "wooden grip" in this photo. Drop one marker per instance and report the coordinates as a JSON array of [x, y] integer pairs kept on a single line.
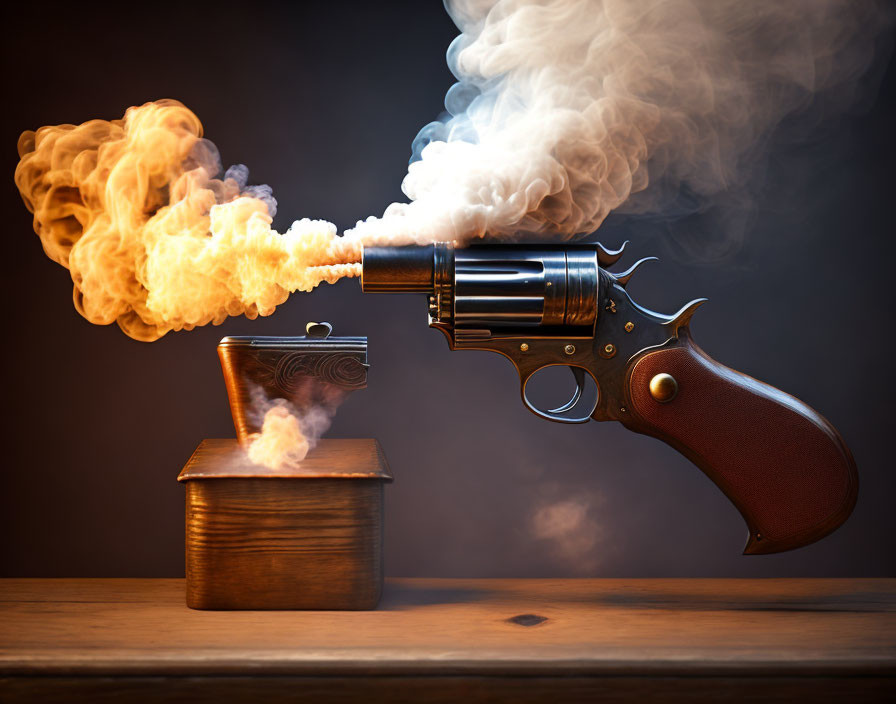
[[782, 464]]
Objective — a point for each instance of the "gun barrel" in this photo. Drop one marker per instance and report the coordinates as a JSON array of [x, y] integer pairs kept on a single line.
[[408, 269]]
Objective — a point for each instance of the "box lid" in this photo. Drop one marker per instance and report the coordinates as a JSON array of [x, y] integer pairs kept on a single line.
[[331, 458], [314, 345], [318, 340]]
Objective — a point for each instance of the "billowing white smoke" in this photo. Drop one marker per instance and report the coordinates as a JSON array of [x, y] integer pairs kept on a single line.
[[566, 110]]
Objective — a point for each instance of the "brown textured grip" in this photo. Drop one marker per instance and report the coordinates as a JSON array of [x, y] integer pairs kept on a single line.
[[782, 464]]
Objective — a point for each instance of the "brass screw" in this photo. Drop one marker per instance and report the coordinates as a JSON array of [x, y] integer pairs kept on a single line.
[[524, 347], [570, 349], [629, 326], [610, 349], [663, 388]]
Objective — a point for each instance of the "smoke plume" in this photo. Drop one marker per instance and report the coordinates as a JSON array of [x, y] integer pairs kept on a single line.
[[570, 525], [281, 443], [287, 436], [289, 428], [154, 241], [566, 110]]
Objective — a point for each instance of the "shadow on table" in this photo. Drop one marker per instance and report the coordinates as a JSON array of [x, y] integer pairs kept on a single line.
[[753, 596], [403, 595]]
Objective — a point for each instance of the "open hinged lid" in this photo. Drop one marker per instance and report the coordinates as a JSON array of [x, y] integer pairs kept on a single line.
[[315, 370], [295, 368], [331, 458], [318, 340]]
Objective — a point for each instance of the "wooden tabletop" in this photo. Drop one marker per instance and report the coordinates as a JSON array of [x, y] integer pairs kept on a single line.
[[734, 630]]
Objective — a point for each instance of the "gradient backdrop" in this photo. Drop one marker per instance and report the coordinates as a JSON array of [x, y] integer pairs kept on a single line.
[[322, 102]]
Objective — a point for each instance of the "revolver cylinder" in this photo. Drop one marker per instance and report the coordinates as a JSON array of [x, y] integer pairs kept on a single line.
[[492, 286]]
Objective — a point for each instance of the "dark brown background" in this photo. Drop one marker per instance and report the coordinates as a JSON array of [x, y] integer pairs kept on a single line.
[[322, 103]]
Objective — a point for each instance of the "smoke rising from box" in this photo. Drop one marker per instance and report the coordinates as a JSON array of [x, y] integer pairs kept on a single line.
[[287, 433]]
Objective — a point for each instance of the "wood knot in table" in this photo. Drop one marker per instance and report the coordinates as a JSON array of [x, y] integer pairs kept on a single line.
[[527, 619]]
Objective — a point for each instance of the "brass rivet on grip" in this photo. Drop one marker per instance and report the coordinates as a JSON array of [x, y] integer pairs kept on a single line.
[[663, 387], [524, 347], [570, 349], [609, 349]]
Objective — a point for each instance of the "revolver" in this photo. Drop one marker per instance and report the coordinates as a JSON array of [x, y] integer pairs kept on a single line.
[[784, 467]]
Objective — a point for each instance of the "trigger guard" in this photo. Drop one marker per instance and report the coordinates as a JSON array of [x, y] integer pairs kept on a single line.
[[555, 414]]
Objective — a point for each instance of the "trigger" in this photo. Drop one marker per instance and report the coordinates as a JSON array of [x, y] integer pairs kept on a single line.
[[579, 375]]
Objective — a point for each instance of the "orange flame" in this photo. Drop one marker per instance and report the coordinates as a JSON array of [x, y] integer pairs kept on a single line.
[[153, 240]]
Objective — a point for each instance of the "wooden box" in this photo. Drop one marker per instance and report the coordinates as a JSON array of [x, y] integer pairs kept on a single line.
[[310, 538]]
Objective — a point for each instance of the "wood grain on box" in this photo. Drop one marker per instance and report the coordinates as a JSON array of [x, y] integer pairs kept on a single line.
[[306, 538]]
